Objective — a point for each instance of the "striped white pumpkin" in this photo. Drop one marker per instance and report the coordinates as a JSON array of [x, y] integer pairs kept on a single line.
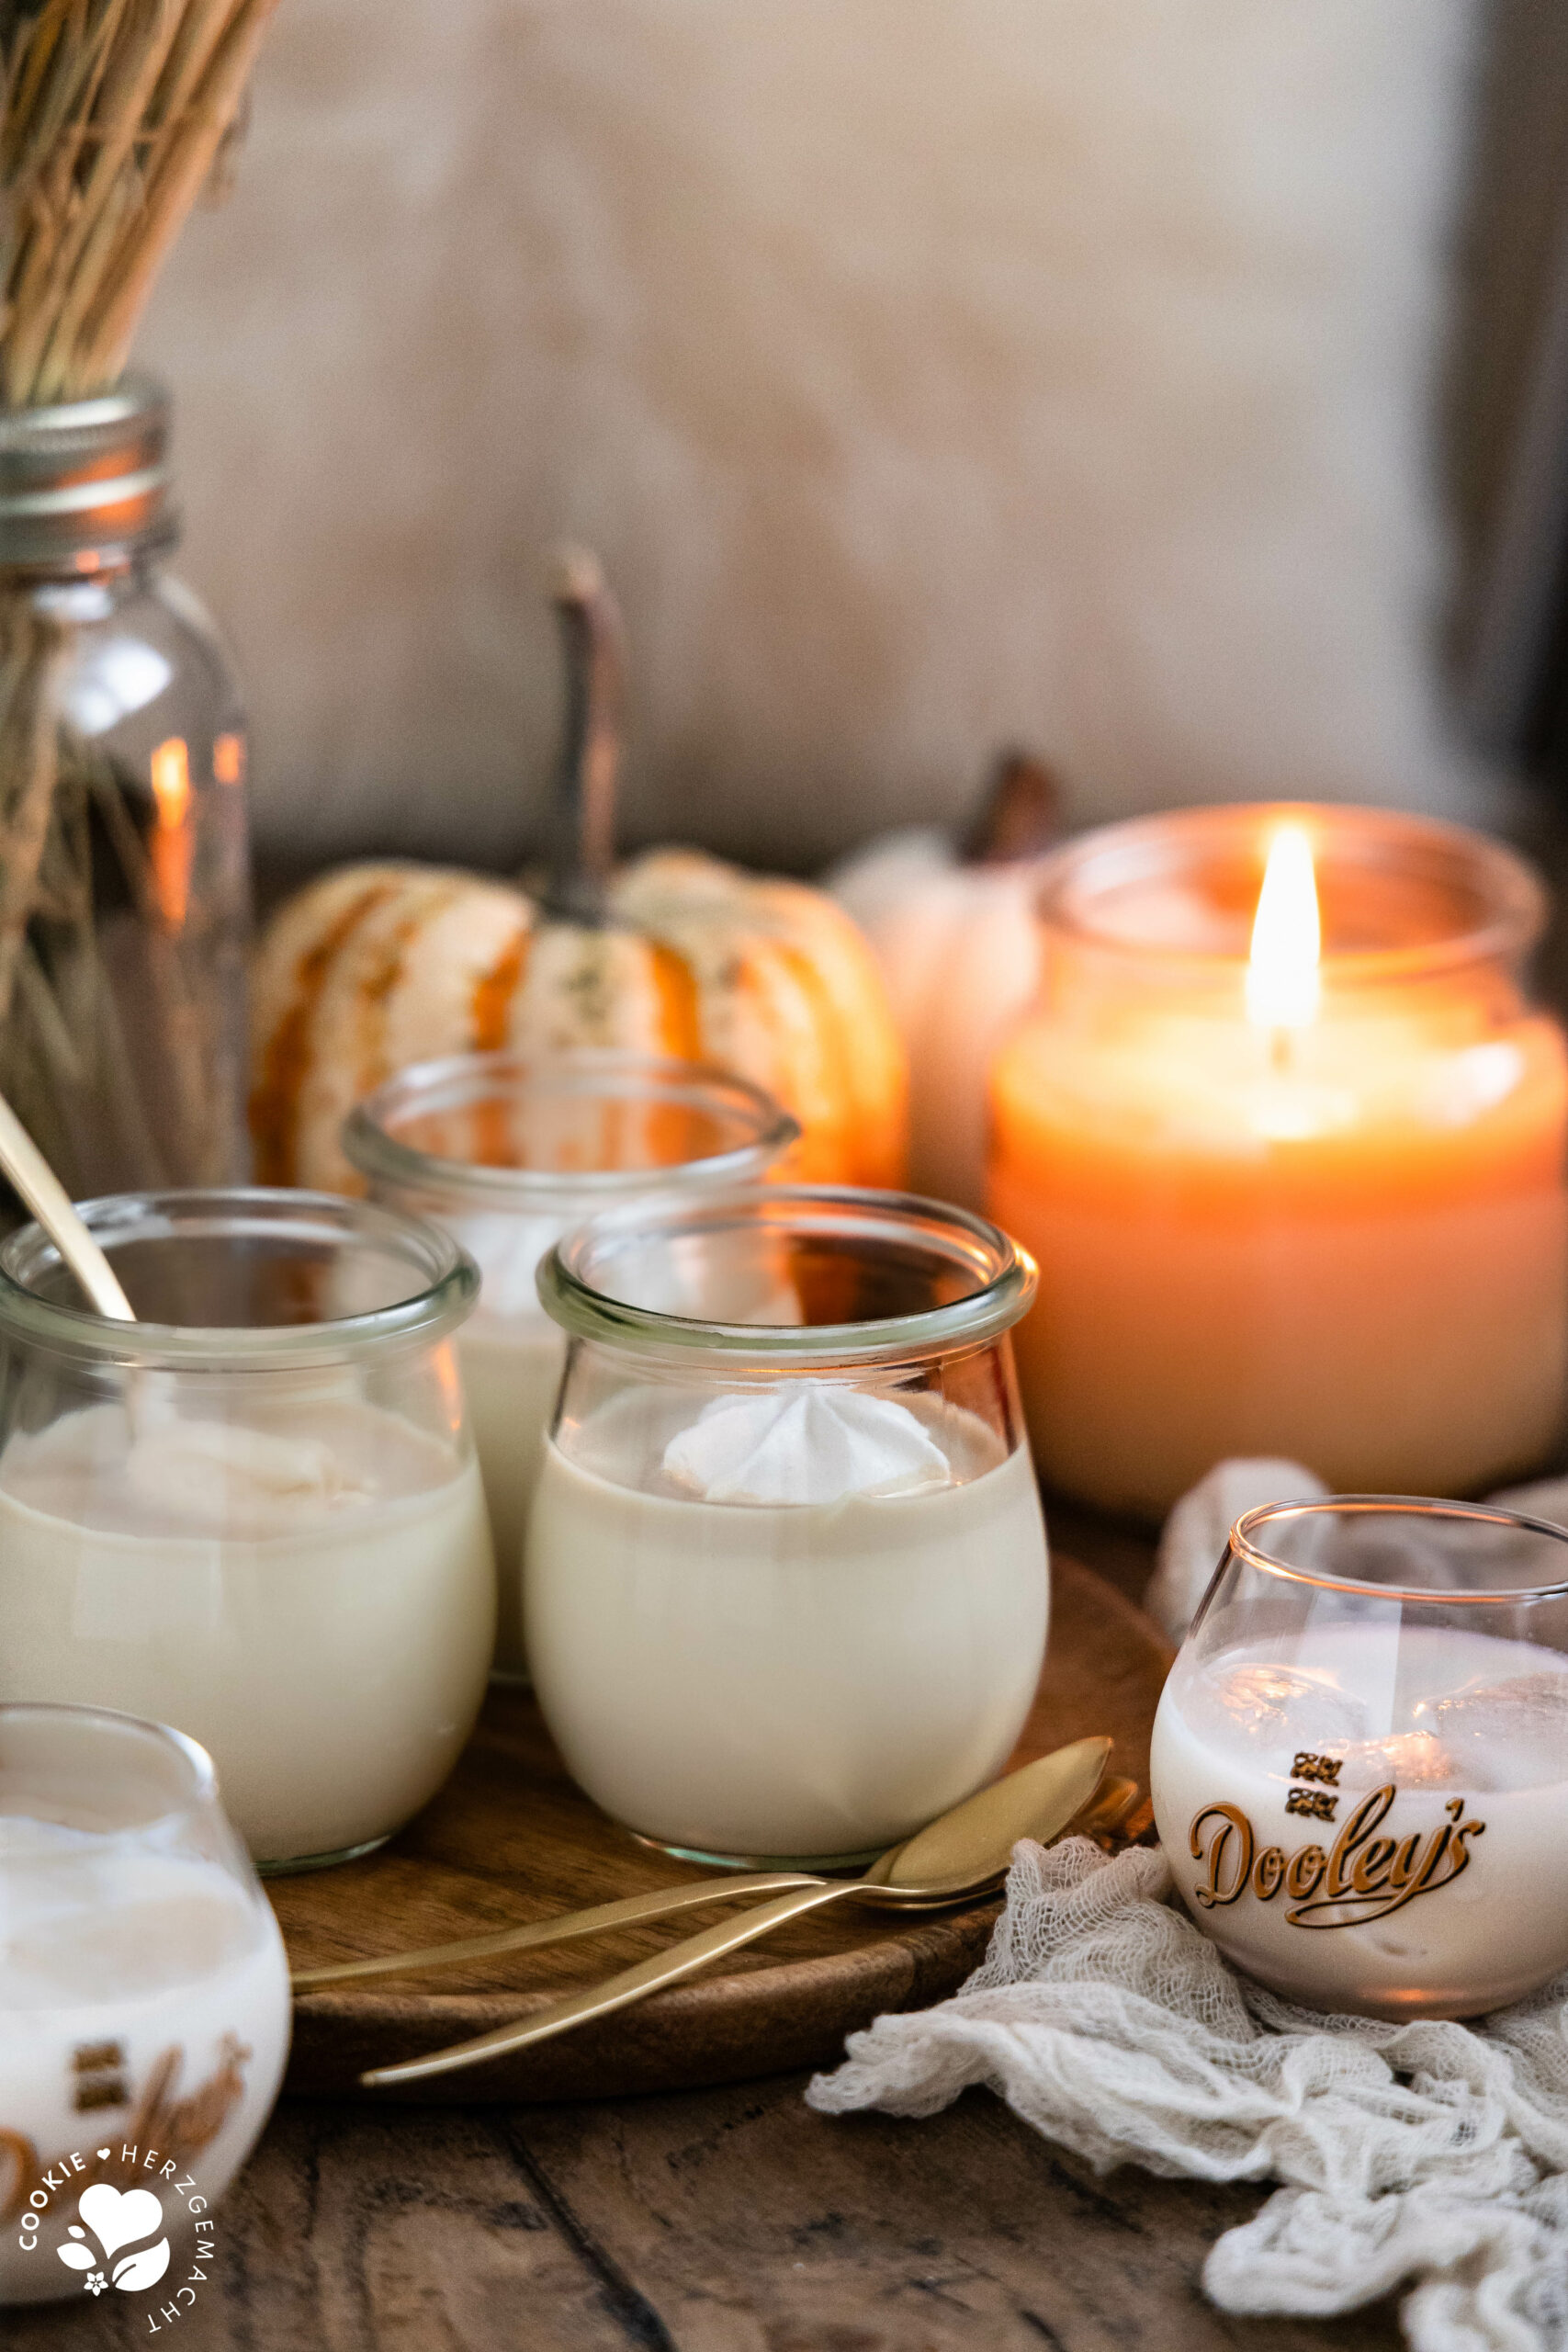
[[376, 966]]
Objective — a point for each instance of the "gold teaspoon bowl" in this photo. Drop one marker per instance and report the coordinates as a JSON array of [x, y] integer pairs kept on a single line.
[[960, 1856]]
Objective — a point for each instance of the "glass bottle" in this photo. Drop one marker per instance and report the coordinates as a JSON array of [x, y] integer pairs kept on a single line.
[[1360, 1766], [253, 1513], [1312, 1208], [786, 1589], [124, 884]]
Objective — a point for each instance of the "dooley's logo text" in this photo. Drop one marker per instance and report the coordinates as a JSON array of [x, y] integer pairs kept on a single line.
[[119, 2239], [1359, 1877]]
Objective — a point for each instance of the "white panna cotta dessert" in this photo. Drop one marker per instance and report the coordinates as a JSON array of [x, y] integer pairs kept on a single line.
[[144, 2008], [268, 1533], [1360, 1762], [507, 1151], [787, 1592]]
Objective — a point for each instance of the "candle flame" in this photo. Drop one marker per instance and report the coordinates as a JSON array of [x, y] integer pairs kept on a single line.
[[1282, 980]]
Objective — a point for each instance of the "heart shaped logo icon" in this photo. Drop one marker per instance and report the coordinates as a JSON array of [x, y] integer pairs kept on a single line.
[[102, 2155], [118, 2218]]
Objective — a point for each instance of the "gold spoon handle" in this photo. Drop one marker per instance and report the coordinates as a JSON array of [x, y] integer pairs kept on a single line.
[[618, 1992], [563, 1929]]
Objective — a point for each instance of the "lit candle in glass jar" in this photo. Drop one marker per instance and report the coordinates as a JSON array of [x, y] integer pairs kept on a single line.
[[1287, 1144]]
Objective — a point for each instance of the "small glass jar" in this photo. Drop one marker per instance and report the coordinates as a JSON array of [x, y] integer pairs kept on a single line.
[[508, 1151], [786, 1588], [1359, 1767], [126, 909], [1331, 1227], [253, 1513], [143, 2004]]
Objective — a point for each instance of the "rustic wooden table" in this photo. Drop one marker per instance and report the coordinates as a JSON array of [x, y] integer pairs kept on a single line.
[[720, 2221]]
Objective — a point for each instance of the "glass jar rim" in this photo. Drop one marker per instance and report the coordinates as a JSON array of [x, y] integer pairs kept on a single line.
[[1006, 1279], [449, 1282], [187, 1754], [457, 1081], [1512, 894], [1243, 1543]]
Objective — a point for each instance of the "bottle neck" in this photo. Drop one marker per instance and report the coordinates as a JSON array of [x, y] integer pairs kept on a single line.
[[85, 486]]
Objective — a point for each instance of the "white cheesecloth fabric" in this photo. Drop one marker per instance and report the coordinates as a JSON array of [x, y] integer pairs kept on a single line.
[[1194, 1537], [1425, 2154], [1428, 2152]]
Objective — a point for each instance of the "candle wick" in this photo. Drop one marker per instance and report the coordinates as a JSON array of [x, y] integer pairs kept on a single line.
[[1281, 1051]]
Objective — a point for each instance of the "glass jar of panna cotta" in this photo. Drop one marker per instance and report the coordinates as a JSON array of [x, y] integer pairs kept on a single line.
[[255, 1513], [786, 1589], [508, 1151], [143, 2003], [1360, 1766]]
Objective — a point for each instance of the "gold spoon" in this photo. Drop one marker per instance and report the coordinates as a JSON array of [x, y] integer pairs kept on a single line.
[[1115, 1803], [961, 1854]]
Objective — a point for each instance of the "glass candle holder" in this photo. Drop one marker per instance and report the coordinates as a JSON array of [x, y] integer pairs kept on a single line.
[[786, 1588], [1359, 1767], [253, 1513], [1293, 1171], [507, 1152], [143, 2004]]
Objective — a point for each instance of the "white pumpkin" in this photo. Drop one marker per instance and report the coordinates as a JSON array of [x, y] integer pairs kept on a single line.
[[373, 966], [379, 965], [952, 927]]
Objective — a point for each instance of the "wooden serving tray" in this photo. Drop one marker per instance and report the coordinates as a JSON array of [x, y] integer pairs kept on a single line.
[[511, 1839]]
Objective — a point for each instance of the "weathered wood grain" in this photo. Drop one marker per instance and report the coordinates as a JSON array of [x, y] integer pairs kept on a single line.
[[731, 2220], [511, 1839]]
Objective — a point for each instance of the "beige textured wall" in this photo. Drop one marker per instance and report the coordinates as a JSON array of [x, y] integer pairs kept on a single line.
[[931, 373]]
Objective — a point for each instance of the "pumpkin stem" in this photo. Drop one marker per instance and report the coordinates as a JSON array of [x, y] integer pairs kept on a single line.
[[1021, 815], [581, 847]]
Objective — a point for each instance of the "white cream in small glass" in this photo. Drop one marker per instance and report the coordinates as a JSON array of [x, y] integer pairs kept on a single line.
[[786, 1590], [507, 1152], [255, 1513], [144, 2008], [1359, 1767]]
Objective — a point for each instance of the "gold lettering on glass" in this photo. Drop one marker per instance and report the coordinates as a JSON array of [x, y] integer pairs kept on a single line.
[[1364, 1876]]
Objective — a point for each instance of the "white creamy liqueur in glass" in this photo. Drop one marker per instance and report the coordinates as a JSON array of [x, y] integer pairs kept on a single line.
[[254, 1513], [507, 1151], [786, 1677], [158, 1966], [1374, 1818], [307, 1595], [787, 1590], [144, 2004]]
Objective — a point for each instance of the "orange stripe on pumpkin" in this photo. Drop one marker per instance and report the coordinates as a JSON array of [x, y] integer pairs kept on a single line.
[[494, 994], [844, 1139], [494, 1145], [377, 990], [679, 1019], [275, 1100]]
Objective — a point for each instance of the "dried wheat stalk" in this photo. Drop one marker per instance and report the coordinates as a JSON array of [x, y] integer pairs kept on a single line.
[[114, 112]]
